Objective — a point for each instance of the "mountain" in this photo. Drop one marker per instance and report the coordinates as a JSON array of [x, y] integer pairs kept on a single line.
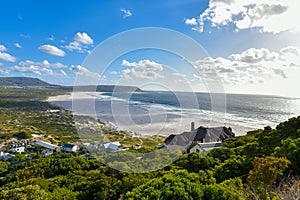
[[23, 82], [26, 82]]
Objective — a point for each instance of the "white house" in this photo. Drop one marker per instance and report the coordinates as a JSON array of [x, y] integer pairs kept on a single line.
[[46, 145], [17, 150], [112, 145], [47, 152], [6, 156], [201, 147], [70, 148]]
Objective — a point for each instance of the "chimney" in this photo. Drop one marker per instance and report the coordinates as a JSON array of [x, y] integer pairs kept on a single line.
[[192, 126]]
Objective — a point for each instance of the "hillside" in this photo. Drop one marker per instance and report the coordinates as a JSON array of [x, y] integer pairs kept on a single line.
[[27, 82], [23, 82]]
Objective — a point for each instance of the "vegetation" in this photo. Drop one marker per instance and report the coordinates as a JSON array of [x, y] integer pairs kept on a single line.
[[263, 164]]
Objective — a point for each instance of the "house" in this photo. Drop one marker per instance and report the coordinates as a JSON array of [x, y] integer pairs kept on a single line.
[[70, 148], [47, 152], [203, 147], [6, 156], [17, 150], [46, 145], [112, 146], [199, 135]]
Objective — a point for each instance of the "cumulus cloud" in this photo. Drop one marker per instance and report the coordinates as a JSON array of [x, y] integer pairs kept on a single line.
[[144, 69], [32, 69], [2, 48], [43, 64], [266, 16], [83, 38], [7, 57], [125, 12], [84, 72], [39, 68], [18, 45], [81, 43], [52, 50], [251, 66], [253, 55], [191, 21]]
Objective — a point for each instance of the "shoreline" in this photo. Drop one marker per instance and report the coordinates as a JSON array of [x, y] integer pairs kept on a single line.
[[133, 118]]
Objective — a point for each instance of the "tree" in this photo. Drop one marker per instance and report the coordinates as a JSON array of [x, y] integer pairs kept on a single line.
[[264, 173], [29, 192], [291, 150], [235, 166], [181, 185]]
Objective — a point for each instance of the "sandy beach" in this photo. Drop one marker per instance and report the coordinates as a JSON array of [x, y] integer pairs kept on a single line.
[[143, 120]]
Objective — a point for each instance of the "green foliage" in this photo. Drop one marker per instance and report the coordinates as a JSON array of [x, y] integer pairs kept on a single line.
[[193, 162], [29, 192], [181, 185], [264, 173], [63, 194], [4, 167], [235, 166], [291, 150], [23, 135], [221, 154]]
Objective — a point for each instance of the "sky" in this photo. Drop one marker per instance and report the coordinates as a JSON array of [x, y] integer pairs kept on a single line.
[[249, 46]]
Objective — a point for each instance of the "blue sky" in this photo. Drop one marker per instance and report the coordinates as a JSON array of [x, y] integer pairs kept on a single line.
[[252, 45]]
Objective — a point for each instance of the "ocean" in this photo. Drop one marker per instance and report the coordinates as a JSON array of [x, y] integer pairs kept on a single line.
[[161, 112]]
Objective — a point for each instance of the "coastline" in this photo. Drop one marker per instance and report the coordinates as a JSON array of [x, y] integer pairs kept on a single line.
[[133, 118]]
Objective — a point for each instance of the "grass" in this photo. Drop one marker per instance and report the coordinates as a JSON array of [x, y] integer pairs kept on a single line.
[[24, 110]]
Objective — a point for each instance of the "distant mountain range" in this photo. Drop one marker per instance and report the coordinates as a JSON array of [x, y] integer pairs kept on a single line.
[[26, 82]]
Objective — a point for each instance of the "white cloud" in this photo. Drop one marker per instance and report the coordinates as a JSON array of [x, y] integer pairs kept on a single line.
[[81, 43], [52, 50], [7, 57], [83, 38], [113, 73], [18, 45], [144, 69], [126, 13], [267, 16], [253, 55], [43, 64], [32, 69], [191, 21], [251, 66], [63, 73], [2, 48], [290, 51], [39, 68], [84, 72]]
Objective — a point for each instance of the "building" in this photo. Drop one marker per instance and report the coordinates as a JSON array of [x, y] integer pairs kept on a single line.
[[197, 136], [203, 147], [112, 146], [17, 150], [47, 152], [46, 145], [6, 156], [70, 148]]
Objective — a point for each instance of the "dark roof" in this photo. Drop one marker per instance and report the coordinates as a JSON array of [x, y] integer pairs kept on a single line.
[[202, 134], [68, 146]]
